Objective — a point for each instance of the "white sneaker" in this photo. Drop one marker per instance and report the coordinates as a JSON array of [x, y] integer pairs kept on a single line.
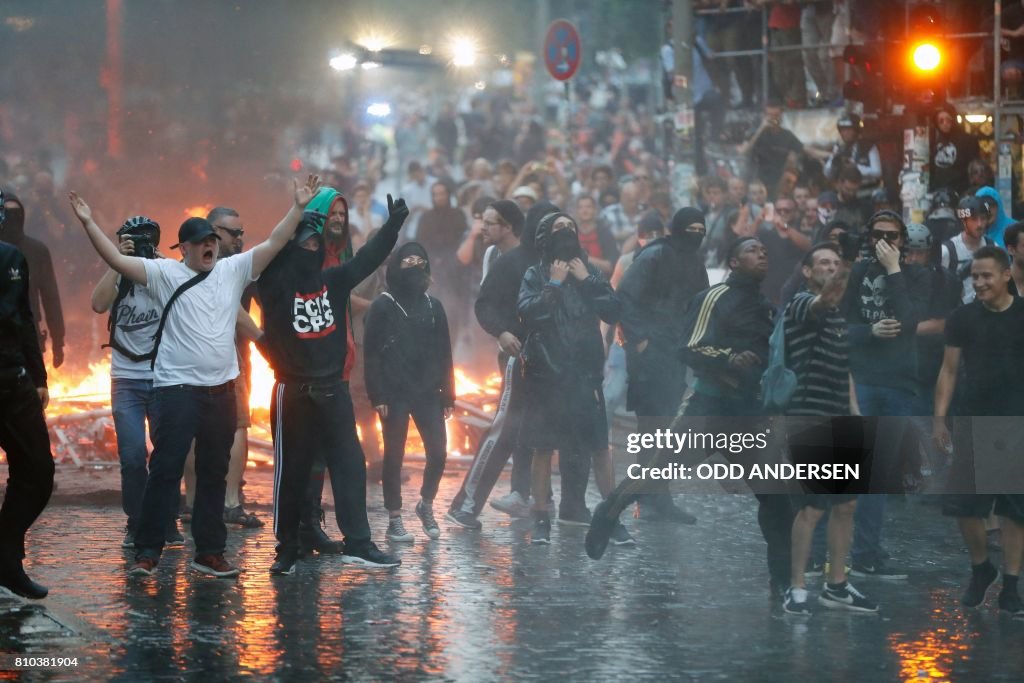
[[396, 531], [512, 504]]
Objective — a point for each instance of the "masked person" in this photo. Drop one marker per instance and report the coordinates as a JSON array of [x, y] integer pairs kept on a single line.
[[44, 297], [23, 434], [655, 293], [409, 373], [134, 316], [562, 300], [306, 342], [194, 373]]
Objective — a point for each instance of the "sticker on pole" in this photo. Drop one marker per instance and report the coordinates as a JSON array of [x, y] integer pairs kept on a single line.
[[562, 50]]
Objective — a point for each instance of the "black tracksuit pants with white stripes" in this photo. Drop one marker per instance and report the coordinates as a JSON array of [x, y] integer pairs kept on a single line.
[[311, 419]]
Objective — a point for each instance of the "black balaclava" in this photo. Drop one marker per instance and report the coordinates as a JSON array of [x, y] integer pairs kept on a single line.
[[407, 284], [684, 218], [563, 245], [533, 216], [13, 228]]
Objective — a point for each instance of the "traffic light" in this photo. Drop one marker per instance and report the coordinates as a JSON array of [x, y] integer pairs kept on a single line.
[[867, 84], [926, 54]]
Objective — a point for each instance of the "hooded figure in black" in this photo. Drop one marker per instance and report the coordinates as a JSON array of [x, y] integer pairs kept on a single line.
[[306, 343], [562, 302], [409, 373], [497, 312], [655, 293], [951, 153], [43, 286]]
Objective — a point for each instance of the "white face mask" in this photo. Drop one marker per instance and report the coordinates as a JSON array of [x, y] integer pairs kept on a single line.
[[825, 215]]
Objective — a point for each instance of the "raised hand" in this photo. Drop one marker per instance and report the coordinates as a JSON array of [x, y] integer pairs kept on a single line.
[[397, 209], [558, 271], [304, 194], [81, 209]]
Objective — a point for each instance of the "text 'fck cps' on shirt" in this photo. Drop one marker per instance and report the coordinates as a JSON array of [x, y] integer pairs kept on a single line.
[[198, 345]]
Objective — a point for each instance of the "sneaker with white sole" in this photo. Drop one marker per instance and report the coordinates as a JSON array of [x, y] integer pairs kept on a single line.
[[426, 514], [214, 565], [878, 570], [795, 602], [367, 554], [397, 532], [512, 505], [621, 537], [845, 596]]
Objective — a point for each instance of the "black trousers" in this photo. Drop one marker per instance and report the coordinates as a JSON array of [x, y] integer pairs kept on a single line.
[[427, 413], [25, 440], [307, 420]]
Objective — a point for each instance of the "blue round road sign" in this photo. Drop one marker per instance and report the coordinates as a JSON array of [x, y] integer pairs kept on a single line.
[[562, 50]]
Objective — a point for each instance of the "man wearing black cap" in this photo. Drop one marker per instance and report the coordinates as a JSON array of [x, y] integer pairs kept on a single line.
[[23, 434], [495, 310], [655, 293], [194, 372], [958, 251]]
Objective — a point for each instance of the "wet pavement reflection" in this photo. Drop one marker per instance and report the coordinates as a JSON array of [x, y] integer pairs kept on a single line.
[[689, 603]]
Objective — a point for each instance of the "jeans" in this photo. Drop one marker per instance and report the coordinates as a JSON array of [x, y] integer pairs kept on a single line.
[[427, 413], [877, 400], [131, 402], [614, 381], [184, 413]]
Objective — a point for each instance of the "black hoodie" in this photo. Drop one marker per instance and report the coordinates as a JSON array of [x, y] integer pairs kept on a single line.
[[305, 335], [43, 286], [564, 320], [407, 344], [19, 347]]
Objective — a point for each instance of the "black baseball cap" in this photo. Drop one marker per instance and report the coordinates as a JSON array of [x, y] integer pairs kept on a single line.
[[969, 207], [194, 230]]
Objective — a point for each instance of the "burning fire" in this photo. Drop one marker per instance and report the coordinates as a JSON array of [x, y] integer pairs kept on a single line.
[[200, 211], [70, 392]]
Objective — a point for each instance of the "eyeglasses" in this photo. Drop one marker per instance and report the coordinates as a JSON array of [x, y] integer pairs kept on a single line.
[[889, 236], [413, 261], [234, 233]]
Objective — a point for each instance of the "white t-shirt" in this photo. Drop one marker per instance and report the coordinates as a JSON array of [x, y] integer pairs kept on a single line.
[[198, 344], [135, 322], [962, 262]]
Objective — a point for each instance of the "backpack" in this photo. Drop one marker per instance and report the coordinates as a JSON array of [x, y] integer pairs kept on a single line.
[[962, 268], [778, 383]]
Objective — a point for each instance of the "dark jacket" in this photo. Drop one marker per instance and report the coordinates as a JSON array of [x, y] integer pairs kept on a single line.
[[729, 318], [872, 295], [655, 292], [563, 321], [408, 349], [43, 290], [19, 347], [304, 308]]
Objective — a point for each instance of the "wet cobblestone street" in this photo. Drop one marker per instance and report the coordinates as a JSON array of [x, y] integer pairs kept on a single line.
[[688, 603]]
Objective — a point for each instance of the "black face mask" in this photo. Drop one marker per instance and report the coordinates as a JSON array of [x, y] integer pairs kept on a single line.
[[564, 245], [412, 281], [13, 226], [688, 241]]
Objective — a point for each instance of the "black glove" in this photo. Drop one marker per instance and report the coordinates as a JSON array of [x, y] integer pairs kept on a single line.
[[397, 212]]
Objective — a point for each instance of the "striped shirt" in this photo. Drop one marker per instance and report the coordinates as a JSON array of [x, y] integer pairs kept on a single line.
[[817, 351]]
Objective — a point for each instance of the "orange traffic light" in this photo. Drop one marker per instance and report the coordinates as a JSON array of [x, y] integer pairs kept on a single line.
[[926, 57]]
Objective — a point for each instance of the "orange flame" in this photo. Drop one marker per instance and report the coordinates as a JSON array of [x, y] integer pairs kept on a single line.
[[200, 211]]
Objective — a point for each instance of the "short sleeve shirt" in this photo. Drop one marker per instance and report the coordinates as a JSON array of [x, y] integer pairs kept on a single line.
[[198, 344], [992, 356]]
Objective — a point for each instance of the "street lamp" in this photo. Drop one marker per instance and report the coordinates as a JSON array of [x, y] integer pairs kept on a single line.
[[463, 52], [343, 62]]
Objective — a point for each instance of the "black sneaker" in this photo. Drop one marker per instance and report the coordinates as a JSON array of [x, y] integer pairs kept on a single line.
[[846, 597], [815, 569], [368, 555], [981, 581], [466, 520], [878, 570], [602, 525], [574, 516], [426, 514], [795, 602], [541, 529], [284, 565], [620, 536], [663, 508], [1010, 602]]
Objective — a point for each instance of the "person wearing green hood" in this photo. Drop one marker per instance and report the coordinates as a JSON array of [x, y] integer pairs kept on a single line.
[[306, 343]]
